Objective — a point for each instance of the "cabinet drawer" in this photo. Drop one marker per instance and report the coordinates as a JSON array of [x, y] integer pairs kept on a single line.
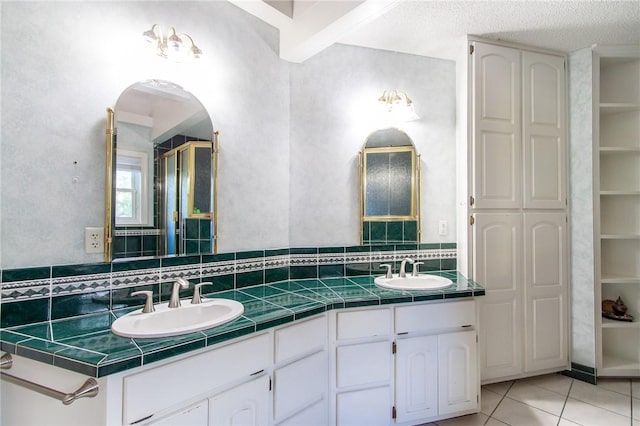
[[300, 384], [297, 339], [369, 323], [438, 316], [159, 388]]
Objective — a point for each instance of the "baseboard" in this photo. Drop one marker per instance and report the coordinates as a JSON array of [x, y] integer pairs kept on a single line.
[[582, 373]]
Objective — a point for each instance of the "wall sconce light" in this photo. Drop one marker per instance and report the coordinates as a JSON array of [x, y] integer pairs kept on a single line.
[[398, 105], [172, 46]]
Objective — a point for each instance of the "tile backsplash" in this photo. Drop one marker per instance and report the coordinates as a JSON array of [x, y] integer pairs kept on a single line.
[[37, 294]]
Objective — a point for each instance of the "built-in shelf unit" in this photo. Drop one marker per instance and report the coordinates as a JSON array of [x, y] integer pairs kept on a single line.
[[616, 73]]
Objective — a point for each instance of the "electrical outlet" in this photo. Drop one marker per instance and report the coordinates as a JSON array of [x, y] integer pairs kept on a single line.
[[94, 240], [443, 227]]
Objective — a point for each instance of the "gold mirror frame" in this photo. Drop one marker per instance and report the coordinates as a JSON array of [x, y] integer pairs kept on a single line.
[[415, 184], [109, 224]]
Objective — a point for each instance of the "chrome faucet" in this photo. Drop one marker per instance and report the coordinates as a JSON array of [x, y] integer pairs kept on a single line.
[[403, 274], [416, 268], [174, 302]]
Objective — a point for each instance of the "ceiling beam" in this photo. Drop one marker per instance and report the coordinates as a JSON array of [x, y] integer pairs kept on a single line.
[[318, 25]]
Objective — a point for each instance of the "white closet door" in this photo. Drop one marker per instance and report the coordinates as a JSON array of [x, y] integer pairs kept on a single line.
[[546, 290], [497, 131], [544, 129], [497, 255]]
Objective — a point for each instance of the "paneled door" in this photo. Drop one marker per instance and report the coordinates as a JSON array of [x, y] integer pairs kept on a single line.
[[546, 290], [497, 136], [497, 266], [543, 82], [457, 369], [416, 378]]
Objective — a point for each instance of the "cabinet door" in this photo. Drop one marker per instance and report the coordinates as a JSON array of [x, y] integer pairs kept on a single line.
[[195, 415], [300, 384], [497, 136], [458, 372], [497, 254], [416, 378], [544, 131], [245, 405], [546, 291]]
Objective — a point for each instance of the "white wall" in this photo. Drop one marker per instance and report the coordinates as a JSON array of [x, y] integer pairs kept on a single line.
[[63, 63], [581, 199], [288, 171], [333, 110]]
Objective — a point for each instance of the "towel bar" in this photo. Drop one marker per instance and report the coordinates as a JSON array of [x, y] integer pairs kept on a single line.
[[88, 390]]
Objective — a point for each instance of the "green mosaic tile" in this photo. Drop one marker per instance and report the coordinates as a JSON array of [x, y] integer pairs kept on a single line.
[[82, 325], [288, 286], [170, 351], [40, 331], [26, 274], [410, 232], [262, 291], [111, 365], [395, 231]]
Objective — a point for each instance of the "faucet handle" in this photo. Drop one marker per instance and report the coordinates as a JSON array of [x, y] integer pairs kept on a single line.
[[196, 299], [416, 268], [388, 275], [148, 303]]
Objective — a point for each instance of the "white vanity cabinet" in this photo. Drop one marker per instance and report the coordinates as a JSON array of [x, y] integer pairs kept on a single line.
[[392, 364], [405, 364], [436, 361]]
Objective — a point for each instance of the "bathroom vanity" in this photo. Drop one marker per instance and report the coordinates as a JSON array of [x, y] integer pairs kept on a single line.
[[367, 356]]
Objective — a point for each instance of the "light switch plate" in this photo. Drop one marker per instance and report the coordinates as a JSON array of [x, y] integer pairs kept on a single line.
[[443, 227]]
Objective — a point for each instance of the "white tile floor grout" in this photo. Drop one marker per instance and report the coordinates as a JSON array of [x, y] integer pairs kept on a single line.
[[555, 400]]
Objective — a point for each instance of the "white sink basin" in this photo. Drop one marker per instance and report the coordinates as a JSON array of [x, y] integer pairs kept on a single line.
[[167, 321], [421, 282]]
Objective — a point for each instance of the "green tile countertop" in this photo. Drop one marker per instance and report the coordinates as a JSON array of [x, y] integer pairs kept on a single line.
[[85, 344]]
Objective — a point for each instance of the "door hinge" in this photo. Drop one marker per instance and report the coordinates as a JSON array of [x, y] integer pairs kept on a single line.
[[393, 348], [471, 200], [477, 398], [471, 49], [270, 387], [476, 338], [393, 412], [471, 220]]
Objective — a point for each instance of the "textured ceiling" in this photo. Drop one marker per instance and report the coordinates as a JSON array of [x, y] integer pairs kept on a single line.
[[437, 28]]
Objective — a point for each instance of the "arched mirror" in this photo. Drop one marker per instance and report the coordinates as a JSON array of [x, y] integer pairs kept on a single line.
[[161, 174], [389, 189]]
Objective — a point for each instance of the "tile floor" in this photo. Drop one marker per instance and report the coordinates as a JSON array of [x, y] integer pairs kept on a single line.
[[556, 400]]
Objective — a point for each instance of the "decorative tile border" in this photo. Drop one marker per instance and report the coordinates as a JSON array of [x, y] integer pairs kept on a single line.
[[228, 270], [30, 289]]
